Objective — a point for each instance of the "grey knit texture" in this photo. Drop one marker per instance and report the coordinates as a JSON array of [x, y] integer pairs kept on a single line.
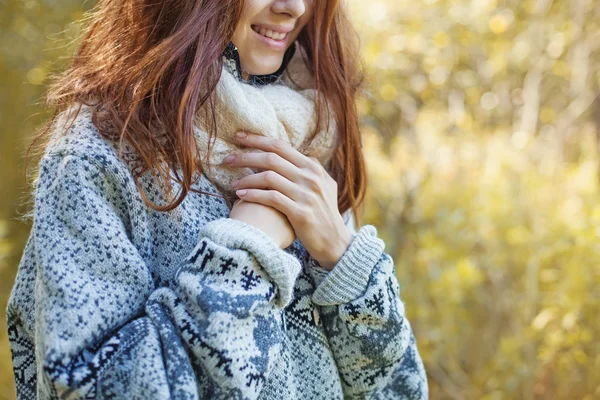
[[114, 300]]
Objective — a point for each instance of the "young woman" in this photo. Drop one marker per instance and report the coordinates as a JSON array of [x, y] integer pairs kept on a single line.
[[157, 270]]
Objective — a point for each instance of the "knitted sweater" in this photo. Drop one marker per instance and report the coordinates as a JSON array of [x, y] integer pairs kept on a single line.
[[114, 300]]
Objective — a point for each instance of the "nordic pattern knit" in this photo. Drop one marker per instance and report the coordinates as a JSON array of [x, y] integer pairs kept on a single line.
[[114, 300]]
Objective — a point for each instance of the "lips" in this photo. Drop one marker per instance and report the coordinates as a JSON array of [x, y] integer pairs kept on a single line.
[[270, 33]]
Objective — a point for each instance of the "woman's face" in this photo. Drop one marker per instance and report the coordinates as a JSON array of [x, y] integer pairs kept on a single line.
[[266, 29]]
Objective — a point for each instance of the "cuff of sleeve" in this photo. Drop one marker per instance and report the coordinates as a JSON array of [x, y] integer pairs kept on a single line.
[[350, 276], [281, 266], [317, 272]]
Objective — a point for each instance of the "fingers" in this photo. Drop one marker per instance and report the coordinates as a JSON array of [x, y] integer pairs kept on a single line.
[[282, 183], [269, 180], [272, 198], [275, 145], [265, 161]]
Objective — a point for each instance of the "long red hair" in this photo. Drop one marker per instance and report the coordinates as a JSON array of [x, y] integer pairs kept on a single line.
[[147, 67]]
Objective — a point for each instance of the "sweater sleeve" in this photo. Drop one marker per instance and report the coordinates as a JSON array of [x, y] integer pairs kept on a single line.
[[103, 330], [364, 319]]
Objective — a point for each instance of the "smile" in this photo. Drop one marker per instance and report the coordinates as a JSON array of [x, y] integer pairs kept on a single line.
[[269, 33]]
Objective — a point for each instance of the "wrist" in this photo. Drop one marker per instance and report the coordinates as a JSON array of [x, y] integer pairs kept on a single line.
[[337, 251]]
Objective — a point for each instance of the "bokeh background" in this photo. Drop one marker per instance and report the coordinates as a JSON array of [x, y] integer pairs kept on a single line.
[[481, 124]]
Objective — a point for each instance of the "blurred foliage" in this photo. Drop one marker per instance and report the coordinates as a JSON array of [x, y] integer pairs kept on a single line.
[[481, 125], [481, 122]]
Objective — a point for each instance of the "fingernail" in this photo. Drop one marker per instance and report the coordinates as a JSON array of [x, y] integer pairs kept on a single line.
[[241, 135], [235, 183], [229, 158], [241, 192]]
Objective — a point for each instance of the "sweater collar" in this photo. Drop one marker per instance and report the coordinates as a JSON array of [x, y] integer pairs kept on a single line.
[[231, 61]]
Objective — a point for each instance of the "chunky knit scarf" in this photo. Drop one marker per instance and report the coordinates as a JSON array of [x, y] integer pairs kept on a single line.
[[284, 109]]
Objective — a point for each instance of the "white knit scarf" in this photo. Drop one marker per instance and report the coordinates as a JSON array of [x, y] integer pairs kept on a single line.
[[285, 109]]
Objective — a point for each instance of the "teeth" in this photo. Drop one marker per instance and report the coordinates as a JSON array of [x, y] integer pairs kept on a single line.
[[269, 33]]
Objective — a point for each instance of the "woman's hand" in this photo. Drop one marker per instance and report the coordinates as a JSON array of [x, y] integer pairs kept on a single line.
[[273, 222], [300, 188]]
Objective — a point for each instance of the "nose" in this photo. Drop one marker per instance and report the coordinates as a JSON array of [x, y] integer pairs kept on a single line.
[[295, 8]]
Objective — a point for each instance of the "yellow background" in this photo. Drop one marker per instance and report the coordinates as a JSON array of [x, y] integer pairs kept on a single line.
[[481, 124]]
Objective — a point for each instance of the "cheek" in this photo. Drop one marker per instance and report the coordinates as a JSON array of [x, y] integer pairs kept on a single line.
[[252, 8], [307, 17], [309, 4], [309, 9], [244, 36]]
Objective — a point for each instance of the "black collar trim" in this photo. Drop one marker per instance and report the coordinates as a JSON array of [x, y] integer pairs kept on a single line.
[[231, 60]]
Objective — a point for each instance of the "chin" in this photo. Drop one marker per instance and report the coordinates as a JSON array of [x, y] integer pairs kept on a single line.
[[265, 65]]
